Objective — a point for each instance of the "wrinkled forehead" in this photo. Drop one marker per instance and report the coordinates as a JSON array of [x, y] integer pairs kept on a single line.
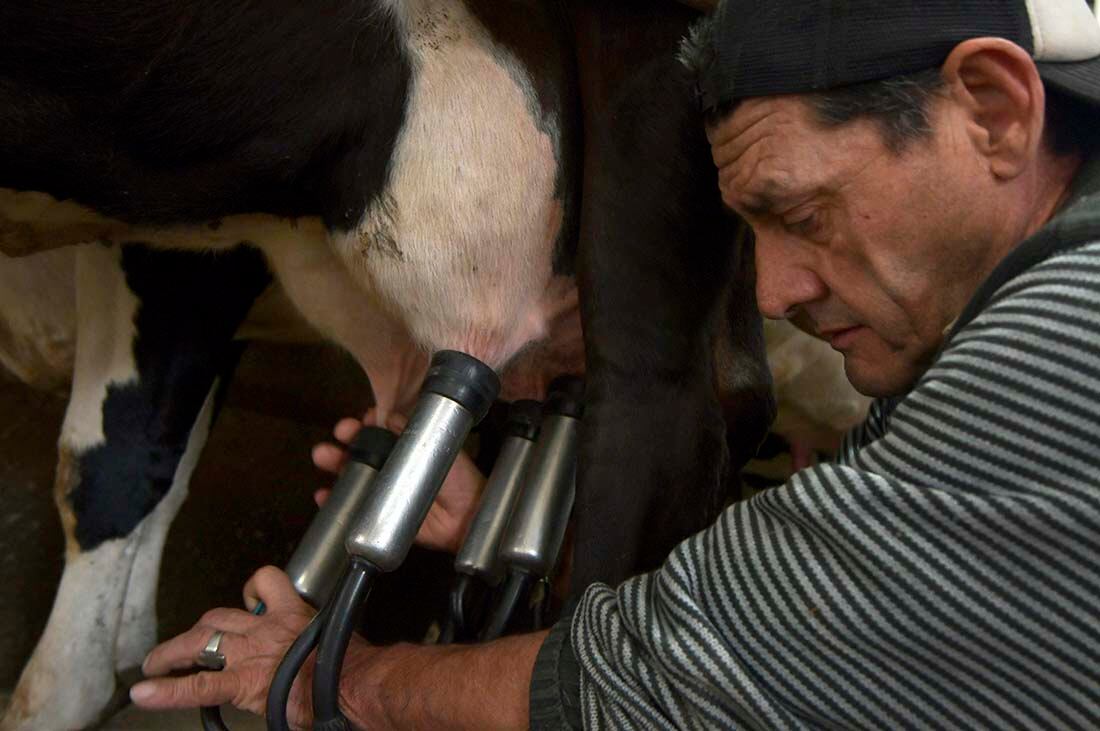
[[765, 128], [769, 149], [757, 114]]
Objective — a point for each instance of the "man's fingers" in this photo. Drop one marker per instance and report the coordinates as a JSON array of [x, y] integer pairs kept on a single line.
[[228, 620], [190, 691], [329, 457], [320, 496], [272, 586], [182, 651], [396, 422], [346, 429]]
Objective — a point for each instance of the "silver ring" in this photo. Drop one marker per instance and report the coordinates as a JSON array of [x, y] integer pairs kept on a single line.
[[210, 658]]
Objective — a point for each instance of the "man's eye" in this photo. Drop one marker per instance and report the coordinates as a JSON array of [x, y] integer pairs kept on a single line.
[[805, 224]]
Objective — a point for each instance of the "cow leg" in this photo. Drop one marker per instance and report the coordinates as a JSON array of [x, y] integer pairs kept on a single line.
[[656, 254], [155, 329], [137, 631], [71, 668]]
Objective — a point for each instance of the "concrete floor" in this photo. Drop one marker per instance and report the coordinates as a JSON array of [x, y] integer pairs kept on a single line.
[[135, 719], [250, 502]]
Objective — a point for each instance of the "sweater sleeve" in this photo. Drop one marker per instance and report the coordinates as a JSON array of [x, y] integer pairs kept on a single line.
[[943, 574]]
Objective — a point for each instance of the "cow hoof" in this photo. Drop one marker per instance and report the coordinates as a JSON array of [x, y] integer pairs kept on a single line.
[[120, 698], [18, 718], [62, 707]]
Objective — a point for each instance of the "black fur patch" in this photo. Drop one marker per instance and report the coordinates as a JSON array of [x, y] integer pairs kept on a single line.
[[172, 112], [191, 307]]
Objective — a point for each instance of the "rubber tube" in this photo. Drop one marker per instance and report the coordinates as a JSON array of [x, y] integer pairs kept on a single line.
[[278, 695], [334, 643], [456, 624], [212, 719], [514, 588]]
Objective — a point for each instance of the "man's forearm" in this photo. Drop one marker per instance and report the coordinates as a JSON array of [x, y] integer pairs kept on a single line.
[[442, 687]]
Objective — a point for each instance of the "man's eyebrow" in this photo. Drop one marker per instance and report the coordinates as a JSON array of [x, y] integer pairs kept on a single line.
[[744, 210], [774, 196], [757, 204]]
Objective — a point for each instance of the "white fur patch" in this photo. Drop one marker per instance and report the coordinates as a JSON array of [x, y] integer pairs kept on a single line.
[[460, 243], [105, 343]]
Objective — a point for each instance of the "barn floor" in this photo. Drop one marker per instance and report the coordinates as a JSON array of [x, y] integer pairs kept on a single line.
[[252, 491], [134, 719]]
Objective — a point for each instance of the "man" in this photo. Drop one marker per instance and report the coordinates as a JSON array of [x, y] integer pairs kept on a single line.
[[924, 184]]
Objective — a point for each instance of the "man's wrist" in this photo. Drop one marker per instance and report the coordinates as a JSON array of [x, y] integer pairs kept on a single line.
[[435, 687], [367, 688]]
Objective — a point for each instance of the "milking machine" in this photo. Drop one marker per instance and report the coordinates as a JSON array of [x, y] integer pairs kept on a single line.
[[382, 496], [456, 395], [536, 529], [318, 562], [478, 560]]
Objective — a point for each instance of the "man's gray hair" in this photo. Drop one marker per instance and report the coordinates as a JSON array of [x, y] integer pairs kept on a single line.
[[898, 105]]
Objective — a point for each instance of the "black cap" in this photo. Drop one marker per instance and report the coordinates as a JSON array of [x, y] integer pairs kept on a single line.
[[751, 48], [565, 396], [372, 445], [524, 419], [465, 379]]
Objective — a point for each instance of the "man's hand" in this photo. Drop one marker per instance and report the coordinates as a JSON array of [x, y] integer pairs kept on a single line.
[[253, 647], [398, 687], [449, 518]]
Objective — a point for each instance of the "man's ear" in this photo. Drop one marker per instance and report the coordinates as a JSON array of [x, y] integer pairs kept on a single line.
[[1001, 95]]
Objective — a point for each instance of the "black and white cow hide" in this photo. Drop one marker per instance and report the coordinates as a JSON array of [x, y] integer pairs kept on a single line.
[[410, 172]]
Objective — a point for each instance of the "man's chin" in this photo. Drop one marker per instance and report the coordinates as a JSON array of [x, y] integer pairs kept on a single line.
[[877, 380]]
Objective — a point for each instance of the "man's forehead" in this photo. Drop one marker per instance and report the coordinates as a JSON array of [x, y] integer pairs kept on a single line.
[[765, 150], [770, 148], [759, 116]]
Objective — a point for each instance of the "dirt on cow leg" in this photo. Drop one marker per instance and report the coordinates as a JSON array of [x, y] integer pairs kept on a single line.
[[68, 475], [64, 685]]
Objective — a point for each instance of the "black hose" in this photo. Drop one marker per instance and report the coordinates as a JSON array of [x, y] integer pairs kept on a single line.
[[447, 632], [352, 593], [279, 693], [517, 583], [212, 719], [539, 611], [457, 621]]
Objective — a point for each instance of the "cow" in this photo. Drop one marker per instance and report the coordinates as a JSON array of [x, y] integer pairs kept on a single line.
[[415, 175]]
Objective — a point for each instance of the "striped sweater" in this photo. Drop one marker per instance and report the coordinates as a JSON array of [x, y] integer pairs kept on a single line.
[[943, 572]]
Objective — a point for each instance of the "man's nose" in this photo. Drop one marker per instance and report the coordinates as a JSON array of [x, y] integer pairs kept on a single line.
[[785, 279]]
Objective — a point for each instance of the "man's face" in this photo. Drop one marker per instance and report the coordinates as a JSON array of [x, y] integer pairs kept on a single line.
[[874, 251]]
